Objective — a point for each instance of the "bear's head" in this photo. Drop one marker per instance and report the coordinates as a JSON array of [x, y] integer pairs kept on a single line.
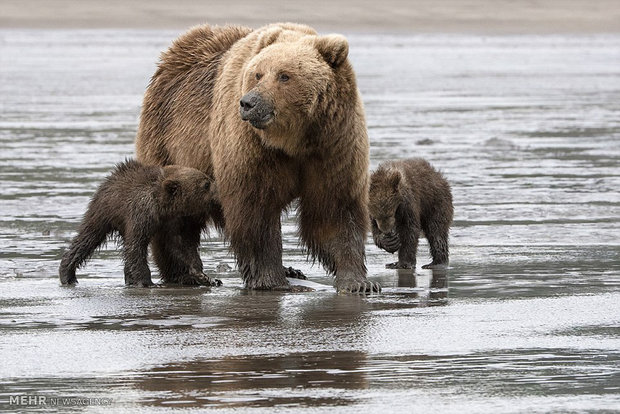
[[384, 198], [287, 80], [186, 191]]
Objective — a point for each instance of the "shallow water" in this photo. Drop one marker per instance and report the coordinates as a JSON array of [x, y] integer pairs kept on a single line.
[[526, 319]]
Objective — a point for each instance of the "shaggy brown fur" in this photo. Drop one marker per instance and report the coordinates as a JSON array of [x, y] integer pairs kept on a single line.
[[407, 197], [299, 133], [144, 203]]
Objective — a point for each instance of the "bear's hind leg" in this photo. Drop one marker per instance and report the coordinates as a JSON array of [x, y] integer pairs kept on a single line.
[[88, 239], [438, 243]]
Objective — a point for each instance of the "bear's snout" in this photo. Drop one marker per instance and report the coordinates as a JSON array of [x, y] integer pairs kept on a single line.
[[256, 109]]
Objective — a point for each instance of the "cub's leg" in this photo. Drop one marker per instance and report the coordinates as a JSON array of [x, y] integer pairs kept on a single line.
[[135, 251], [437, 236], [177, 255], [91, 235], [408, 230]]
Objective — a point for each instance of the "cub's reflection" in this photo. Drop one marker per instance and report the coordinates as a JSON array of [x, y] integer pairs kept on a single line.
[[438, 292], [427, 288]]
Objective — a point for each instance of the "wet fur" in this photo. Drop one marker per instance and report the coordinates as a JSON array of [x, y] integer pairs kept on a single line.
[[420, 200], [141, 204], [316, 150]]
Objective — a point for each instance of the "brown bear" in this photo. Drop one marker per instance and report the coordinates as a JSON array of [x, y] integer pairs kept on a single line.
[[143, 204], [408, 197], [274, 115]]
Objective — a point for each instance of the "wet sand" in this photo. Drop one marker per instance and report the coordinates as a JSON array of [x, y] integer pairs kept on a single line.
[[526, 319], [524, 127], [419, 16]]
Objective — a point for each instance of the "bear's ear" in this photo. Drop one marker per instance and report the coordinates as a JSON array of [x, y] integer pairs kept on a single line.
[[267, 38], [394, 179], [334, 48], [171, 187]]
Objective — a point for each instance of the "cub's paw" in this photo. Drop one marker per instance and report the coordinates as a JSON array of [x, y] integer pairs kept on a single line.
[[294, 273], [67, 278], [400, 265], [389, 242], [435, 265], [69, 282]]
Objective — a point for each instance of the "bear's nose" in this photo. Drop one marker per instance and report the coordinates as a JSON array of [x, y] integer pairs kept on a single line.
[[249, 101], [256, 109]]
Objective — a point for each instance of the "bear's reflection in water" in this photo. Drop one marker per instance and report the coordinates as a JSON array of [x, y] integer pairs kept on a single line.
[[281, 352], [258, 380], [281, 348], [412, 289]]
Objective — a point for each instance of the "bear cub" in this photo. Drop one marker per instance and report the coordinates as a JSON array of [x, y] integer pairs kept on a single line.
[[408, 197], [138, 203]]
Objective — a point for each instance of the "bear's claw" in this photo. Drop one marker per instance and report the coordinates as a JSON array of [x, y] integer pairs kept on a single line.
[[366, 287]]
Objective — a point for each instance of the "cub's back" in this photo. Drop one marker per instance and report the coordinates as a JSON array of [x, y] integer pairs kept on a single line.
[[428, 185]]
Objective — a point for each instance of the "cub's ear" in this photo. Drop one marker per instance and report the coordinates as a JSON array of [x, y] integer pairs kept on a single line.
[[394, 179], [334, 48], [171, 187]]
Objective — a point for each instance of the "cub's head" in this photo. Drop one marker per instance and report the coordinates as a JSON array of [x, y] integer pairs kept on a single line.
[[285, 80], [187, 191], [384, 198]]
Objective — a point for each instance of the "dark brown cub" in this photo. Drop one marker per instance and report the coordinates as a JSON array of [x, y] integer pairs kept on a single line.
[[408, 197], [145, 204]]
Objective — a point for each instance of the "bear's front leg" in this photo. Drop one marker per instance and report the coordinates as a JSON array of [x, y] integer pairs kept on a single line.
[[253, 228], [176, 250], [408, 229], [135, 250], [336, 237], [350, 270], [254, 185], [258, 248]]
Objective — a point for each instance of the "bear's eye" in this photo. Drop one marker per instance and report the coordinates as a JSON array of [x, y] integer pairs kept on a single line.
[[207, 185], [283, 77], [258, 76]]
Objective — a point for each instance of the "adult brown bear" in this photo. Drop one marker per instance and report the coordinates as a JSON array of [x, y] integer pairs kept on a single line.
[[273, 114]]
